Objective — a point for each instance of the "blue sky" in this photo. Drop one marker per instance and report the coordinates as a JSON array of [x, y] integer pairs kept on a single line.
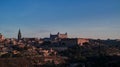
[[80, 18]]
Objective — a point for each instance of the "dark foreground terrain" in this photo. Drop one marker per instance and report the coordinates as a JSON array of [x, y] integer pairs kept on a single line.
[[101, 61]]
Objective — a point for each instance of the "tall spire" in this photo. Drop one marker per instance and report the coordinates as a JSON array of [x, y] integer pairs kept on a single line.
[[66, 33], [19, 35], [58, 33]]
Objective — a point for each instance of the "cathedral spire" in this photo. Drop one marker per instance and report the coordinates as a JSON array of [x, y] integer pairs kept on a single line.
[[19, 35]]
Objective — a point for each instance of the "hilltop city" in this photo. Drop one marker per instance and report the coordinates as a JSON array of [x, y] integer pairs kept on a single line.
[[58, 51]]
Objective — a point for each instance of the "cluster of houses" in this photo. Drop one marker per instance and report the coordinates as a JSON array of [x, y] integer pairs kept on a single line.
[[56, 42], [43, 50]]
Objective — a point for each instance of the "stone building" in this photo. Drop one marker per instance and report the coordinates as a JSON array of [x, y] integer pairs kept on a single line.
[[1, 37], [58, 36], [73, 41]]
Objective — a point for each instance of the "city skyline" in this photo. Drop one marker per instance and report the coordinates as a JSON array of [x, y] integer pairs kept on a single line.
[[38, 18]]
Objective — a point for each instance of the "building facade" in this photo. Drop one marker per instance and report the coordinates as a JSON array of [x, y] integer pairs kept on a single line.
[[1, 37], [73, 41], [58, 36]]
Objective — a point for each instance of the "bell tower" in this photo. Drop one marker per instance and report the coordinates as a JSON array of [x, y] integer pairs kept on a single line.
[[19, 35]]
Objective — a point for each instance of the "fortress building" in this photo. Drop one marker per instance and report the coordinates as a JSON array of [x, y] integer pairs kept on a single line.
[[58, 36]]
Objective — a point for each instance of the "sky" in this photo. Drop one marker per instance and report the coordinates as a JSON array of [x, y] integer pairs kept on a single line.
[[79, 18]]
